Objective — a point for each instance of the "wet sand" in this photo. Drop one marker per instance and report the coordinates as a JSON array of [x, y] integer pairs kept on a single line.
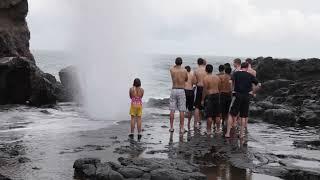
[[46, 146]]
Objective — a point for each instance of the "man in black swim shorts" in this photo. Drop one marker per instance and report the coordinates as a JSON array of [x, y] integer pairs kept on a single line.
[[242, 81]]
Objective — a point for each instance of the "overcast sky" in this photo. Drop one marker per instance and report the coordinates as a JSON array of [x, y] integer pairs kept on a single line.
[[279, 28]]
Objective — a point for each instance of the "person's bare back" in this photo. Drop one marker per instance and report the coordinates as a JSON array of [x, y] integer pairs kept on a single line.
[[200, 73], [179, 77], [211, 84], [225, 85], [191, 80]]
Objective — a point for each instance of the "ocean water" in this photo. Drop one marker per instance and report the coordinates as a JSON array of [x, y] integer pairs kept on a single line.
[[153, 70]]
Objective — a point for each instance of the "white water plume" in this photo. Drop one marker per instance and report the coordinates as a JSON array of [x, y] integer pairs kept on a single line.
[[109, 38]]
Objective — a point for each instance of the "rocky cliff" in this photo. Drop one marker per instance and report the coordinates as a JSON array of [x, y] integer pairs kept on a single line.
[[21, 81], [14, 32]]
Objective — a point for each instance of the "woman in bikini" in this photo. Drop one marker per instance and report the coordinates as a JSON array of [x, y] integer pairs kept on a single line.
[[136, 94]]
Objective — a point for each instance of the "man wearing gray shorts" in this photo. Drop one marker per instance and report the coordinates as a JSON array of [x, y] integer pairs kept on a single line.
[[179, 76]]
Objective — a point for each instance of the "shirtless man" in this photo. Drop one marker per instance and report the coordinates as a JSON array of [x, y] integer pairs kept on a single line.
[[225, 94], [210, 96], [250, 70], [242, 86], [189, 93], [179, 77], [200, 73], [237, 67], [254, 88]]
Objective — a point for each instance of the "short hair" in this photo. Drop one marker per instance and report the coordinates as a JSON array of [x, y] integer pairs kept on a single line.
[[228, 70], [237, 61], [209, 68], [249, 60], [221, 68], [244, 65], [188, 68], [227, 65], [178, 61], [200, 61], [137, 82]]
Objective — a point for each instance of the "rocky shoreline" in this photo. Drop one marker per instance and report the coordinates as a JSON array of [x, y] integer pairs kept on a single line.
[[290, 93]]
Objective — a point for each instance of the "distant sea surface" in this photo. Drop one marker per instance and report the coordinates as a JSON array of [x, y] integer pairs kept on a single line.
[[153, 72]]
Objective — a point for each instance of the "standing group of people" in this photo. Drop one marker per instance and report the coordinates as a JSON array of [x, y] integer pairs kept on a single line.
[[223, 98]]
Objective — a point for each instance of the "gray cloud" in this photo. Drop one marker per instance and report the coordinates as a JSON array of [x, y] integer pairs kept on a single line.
[[286, 28]]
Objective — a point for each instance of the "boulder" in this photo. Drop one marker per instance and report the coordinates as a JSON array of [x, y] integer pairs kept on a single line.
[[280, 116], [131, 172], [22, 82], [70, 81]]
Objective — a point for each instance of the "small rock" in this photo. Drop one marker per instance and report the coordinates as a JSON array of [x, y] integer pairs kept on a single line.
[[130, 172]]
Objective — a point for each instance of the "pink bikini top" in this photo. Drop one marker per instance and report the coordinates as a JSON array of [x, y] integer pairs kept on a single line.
[[136, 101]]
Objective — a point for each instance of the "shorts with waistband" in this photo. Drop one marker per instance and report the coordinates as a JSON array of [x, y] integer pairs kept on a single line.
[[211, 106], [198, 100], [189, 99], [225, 102], [240, 105], [178, 100]]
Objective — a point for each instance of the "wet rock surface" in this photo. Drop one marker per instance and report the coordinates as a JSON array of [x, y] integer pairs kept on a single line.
[[154, 169], [290, 91], [70, 81], [22, 82]]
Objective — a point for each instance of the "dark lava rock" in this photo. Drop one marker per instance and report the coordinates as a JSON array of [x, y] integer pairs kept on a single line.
[[280, 116], [314, 145], [269, 69], [158, 103], [22, 82], [24, 160], [138, 169], [14, 32], [2, 177], [130, 172], [70, 81]]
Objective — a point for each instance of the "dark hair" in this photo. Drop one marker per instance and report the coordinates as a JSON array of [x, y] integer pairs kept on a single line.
[[209, 68], [249, 61], [221, 68], [228, 70], [178, 61], [137, 82], [188, 68], [237, 61], [227, 65], [244, 65], [200, 61]]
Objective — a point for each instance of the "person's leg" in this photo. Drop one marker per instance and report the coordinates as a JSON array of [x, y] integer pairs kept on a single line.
[[181, 122], [218, 124], [132, 124], [139, 124], [173, 106], [196, 117], [243, 121], [234, 111], [182, 108], [209, 125], [189, 118], [229, 125], [171, 120]]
